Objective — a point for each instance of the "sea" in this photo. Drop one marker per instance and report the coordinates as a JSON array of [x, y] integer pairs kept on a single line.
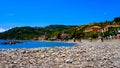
[[34, 44]]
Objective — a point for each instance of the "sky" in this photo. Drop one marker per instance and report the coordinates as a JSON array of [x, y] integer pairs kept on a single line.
[[15, 13]]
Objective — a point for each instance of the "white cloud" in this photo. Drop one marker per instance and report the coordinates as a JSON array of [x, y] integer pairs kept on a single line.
[[2, 30]]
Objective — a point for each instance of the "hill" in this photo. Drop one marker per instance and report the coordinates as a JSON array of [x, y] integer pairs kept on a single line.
[[26, 32], [64, 32]]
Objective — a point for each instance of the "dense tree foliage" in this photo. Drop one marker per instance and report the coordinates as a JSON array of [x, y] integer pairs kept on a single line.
[[117, 20], [27, 32]]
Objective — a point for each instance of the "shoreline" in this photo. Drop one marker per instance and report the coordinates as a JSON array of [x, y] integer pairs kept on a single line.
[[77, 43], [64, 43], [84, 55]]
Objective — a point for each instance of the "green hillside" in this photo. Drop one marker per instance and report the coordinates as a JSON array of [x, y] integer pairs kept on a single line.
[[64, 31], [27, 33]]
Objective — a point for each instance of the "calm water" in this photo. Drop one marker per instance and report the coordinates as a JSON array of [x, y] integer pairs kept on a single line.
[[35, 44]]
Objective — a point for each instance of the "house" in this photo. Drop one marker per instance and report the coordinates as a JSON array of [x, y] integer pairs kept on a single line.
[[42, 37], [93, 29], [100, 29], [96, 28], [88, 30], [108, 27]]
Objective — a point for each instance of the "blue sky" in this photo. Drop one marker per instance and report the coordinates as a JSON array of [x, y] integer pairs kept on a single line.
[[15, 13]]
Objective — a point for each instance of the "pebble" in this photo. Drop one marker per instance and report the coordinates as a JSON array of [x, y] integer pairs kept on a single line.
[[68, 61], [84, 55]]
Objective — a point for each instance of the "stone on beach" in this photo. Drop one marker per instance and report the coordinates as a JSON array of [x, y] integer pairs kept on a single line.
[[84, 55]]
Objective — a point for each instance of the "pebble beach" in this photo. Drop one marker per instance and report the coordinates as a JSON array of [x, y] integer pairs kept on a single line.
[[82, 55]]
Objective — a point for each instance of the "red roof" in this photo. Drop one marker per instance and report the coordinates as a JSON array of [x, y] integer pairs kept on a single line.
[[96, 27]]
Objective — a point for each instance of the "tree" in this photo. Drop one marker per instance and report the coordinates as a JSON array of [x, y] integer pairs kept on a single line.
[[117, 20]]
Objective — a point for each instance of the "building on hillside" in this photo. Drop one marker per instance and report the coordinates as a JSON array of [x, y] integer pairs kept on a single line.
[[108, 27], [118, 36], [53, 38], [64, 36], [93, 29], [88, 30], [96, 28], [100, 29], [42, 37]]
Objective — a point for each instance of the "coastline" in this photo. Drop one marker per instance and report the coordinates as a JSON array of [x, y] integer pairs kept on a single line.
[[84, 55], [31, 44]]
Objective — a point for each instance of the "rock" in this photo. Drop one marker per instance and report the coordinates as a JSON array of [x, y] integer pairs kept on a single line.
[[37, 55], [57, 60], [61, 55], [68, 61], [42, 56], [85, 55]]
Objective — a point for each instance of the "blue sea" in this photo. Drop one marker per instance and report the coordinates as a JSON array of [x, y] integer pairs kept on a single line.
[[34, 44]]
